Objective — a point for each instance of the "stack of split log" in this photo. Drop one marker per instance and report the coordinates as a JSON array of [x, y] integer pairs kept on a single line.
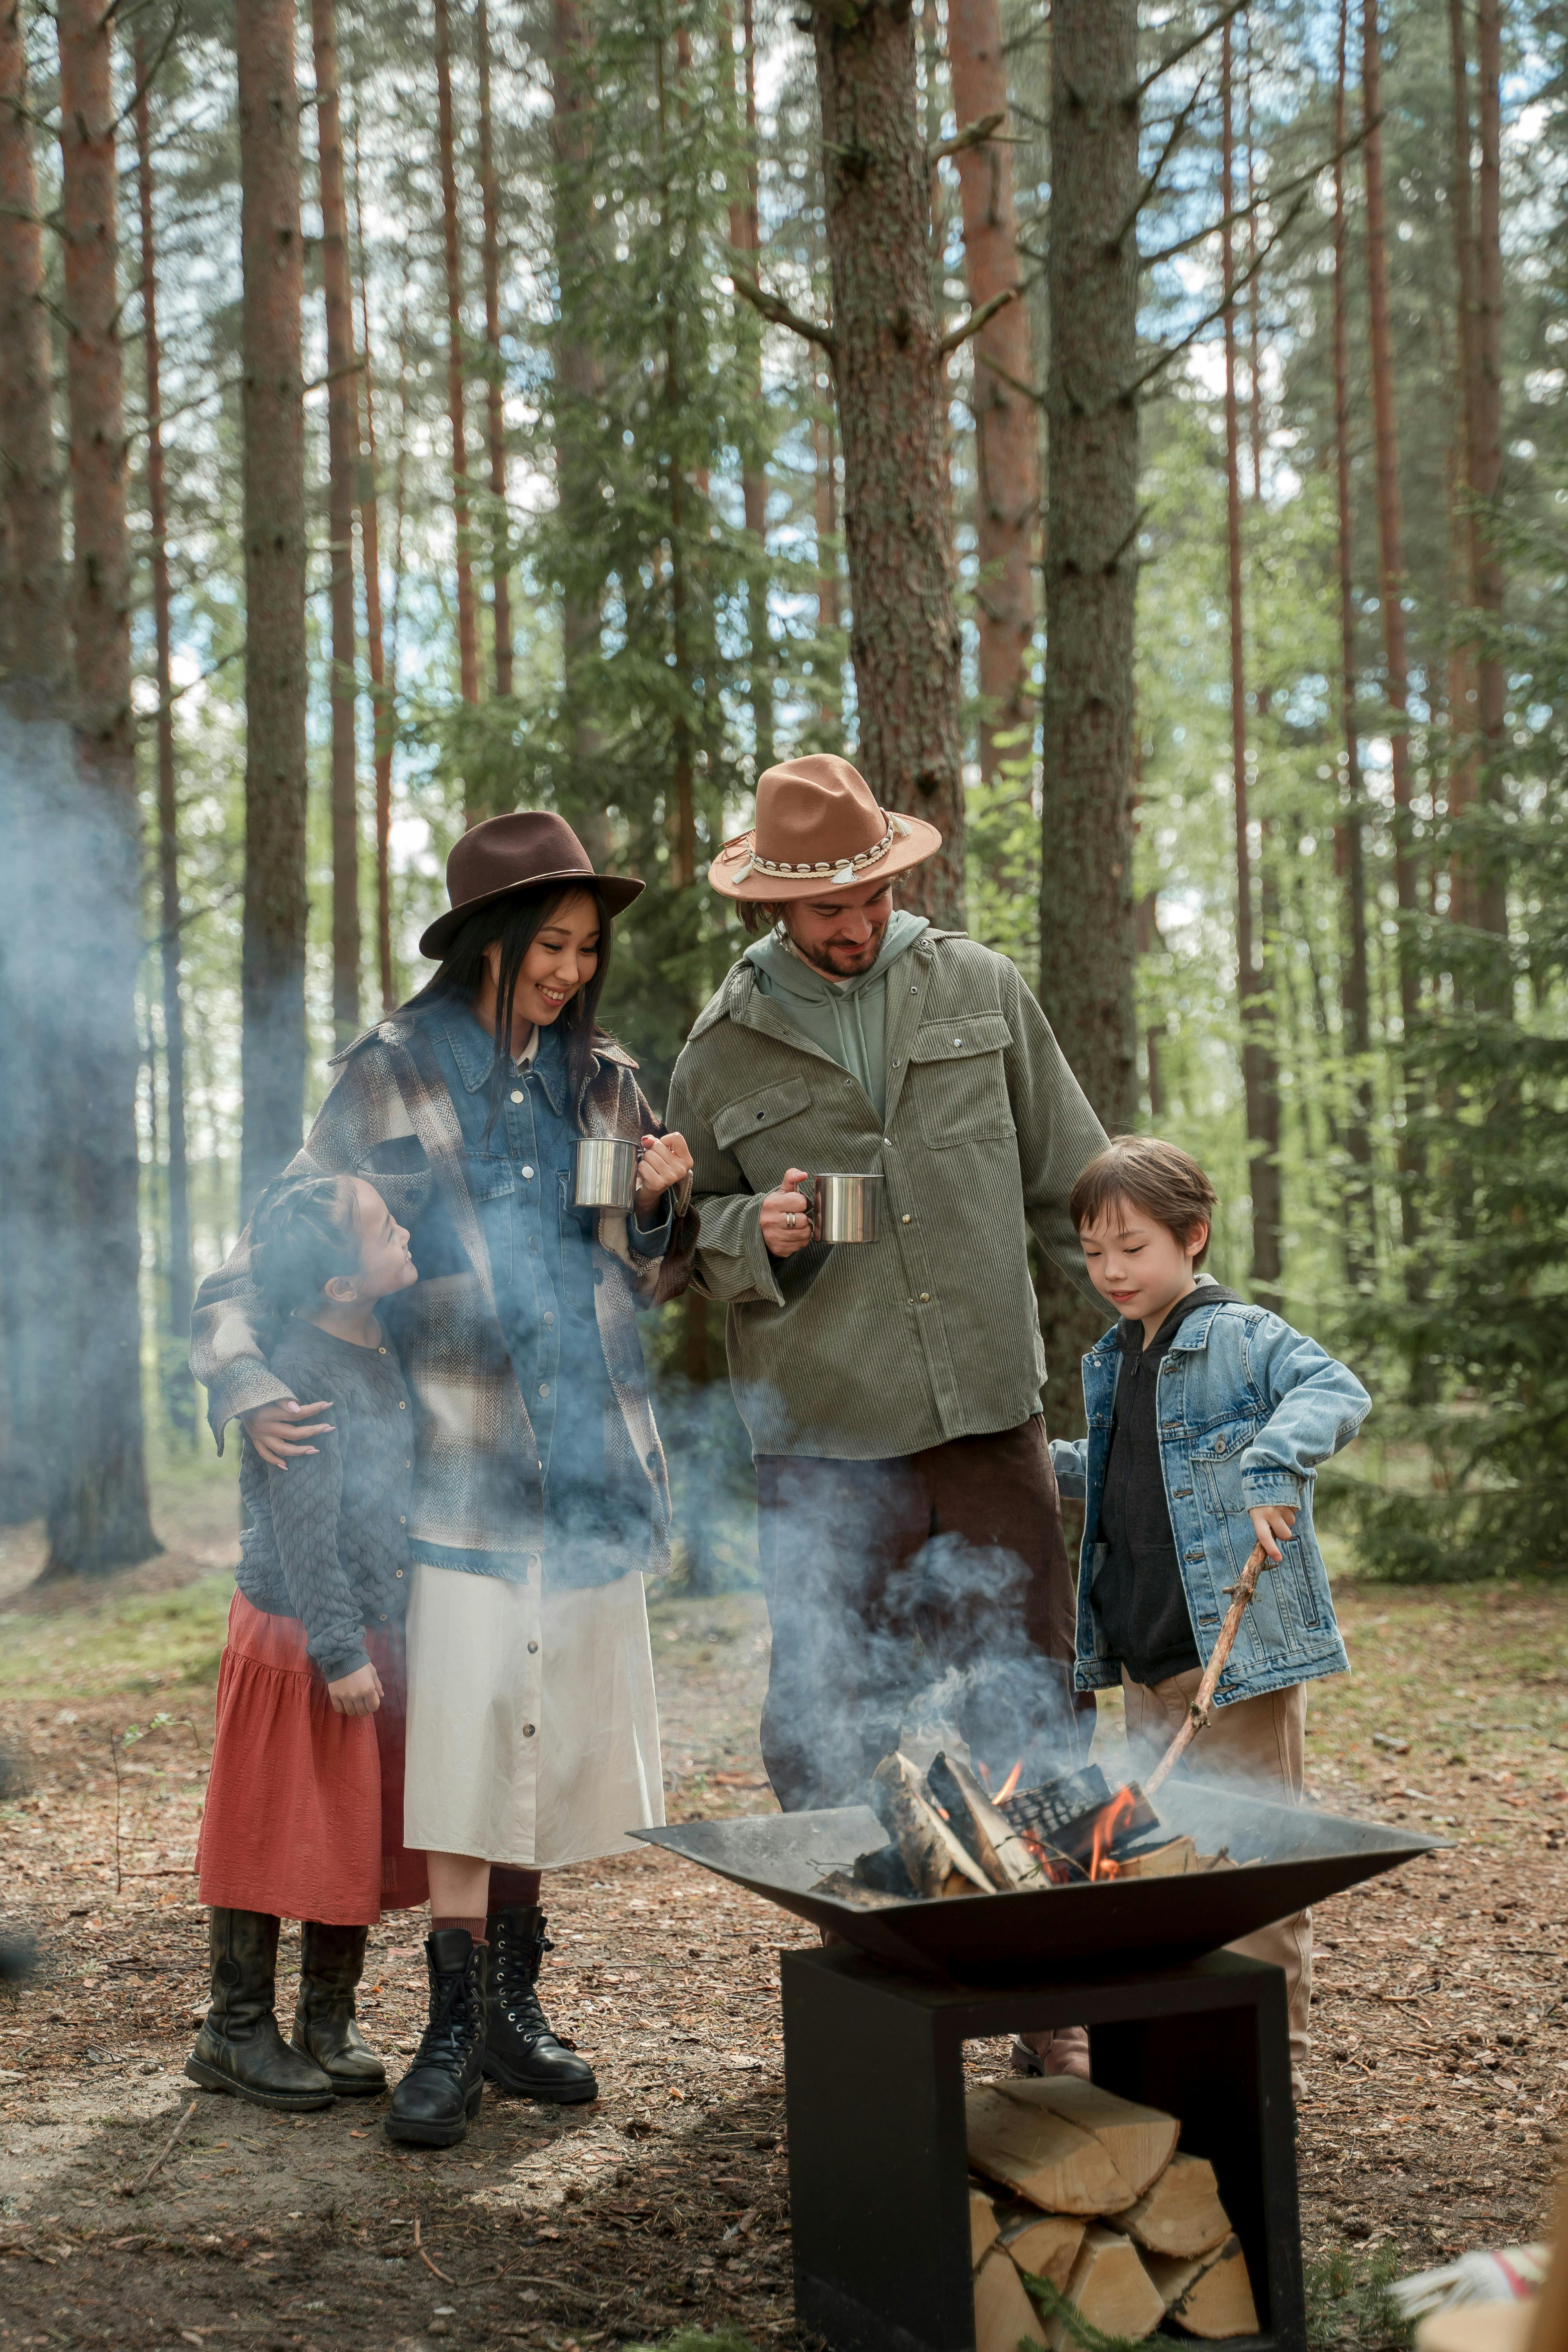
[[1088, 2191], [946, 1837]]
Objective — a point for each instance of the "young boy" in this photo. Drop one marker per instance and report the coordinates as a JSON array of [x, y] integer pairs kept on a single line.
[[1208, 1419]]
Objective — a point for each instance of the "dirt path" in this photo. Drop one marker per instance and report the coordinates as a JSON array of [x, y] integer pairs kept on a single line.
[[1436, 2098]]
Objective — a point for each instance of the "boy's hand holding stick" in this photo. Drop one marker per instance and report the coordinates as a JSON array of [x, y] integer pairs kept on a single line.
[[1257, 1560]]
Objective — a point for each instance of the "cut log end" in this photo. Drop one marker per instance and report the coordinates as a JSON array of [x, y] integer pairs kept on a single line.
[[1111, 2288], [1210, 2296], [1180, 2216]]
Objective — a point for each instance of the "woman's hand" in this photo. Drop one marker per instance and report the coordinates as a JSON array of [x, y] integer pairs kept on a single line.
[[357, 1693], [1271, 1525], [277, 1431], [665, 1162], [786, 1219]]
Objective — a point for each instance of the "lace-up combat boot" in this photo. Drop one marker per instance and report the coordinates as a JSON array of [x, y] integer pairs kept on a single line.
[[440, 2096], [332, 1961], [239, 2049], [521, 2054]]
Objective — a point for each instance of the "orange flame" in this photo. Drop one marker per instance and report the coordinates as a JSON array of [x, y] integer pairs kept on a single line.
[[1114, 1818], [1009, 1784], [1058, 1869]]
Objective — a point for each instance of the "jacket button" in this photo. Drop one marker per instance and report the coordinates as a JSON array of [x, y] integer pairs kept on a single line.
[[958, 1041], [544, 1387], [534, 1649], [398, 1573], [383, 1618], [516, 1094], [527, 1170], [401, 1406], [532, 1563], [528, 1731], [403, 1522], [653, 1459], [906, 1219], [925, 1298]]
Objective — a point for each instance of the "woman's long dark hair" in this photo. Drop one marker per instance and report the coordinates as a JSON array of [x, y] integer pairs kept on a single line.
[[513, 923]]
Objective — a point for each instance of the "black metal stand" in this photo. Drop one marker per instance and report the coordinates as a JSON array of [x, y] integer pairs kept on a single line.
[[874, 2084]]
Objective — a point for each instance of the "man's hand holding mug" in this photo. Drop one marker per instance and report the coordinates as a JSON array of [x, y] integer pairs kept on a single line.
[[786, 1216]]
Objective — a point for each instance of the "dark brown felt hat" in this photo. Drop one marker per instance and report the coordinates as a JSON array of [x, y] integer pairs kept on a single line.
[[517, 853], [819, 827]]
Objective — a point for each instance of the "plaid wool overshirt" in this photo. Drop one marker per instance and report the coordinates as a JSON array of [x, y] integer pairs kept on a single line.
[[931, 1332], [477, 1500]]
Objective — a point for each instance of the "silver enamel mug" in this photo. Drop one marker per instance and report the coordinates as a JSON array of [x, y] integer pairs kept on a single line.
[[605, 1175], [845, 1207]]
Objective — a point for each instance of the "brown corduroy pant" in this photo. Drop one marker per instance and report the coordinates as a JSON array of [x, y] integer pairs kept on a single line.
[[1259, 1744], [884, 1579]]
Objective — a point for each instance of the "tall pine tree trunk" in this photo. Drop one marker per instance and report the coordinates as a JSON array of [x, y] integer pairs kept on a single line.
[[576, 396], [829, 616], [888, 366], [342, 468], [746, 236], [98, 1515], [272, 958], [1085, 891], [181, 1286], [1463, 717], [1259, 1078], [34, 642], [451, 252], [383, 715], [1486, 454], [1390, 512], [1006, 424], [495, 413], [1356, 993]]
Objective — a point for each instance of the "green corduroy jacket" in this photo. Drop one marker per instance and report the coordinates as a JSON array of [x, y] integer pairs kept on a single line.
[[931, 1331]]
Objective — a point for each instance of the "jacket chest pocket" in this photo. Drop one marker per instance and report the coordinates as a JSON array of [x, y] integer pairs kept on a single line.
[[1216, 1465], [958, 1079], [492, 1181], [766, 1131]]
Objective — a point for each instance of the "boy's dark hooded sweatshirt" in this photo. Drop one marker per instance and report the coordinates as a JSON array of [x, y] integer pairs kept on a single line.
[[1138, 1596]]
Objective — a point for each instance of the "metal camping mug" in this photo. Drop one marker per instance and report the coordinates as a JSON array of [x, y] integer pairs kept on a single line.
[[606, 1173], [845, 1207]]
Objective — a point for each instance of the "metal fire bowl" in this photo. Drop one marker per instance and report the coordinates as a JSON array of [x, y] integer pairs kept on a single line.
[[1290, 1856]]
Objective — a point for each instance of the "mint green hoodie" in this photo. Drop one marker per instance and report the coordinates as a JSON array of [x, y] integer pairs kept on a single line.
[[848, 1018]]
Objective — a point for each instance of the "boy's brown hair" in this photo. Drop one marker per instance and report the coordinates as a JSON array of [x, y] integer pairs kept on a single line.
[[1161, 1178]]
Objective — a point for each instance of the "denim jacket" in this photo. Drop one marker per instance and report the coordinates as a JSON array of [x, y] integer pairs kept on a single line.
[[1248, 1410]]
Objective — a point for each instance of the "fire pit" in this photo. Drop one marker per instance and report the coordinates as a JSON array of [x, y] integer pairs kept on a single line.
[[1290, 1856], [874, 2043]]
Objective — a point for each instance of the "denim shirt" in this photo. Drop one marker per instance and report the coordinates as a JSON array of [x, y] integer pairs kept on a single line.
[[1248, 1409], [541, 1262]]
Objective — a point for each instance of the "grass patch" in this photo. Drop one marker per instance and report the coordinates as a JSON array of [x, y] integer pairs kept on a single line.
[[144, 1642], [1349, 2304]]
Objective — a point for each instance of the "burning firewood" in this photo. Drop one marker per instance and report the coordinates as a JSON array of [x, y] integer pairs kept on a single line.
[[1109, 2286], [1210, 2296], [1045, 2244], [1180, 2216], [931, 1854], [1041, 2155], [1172, 1861], [845, 1889], [986, 1833], [1004, 2315]]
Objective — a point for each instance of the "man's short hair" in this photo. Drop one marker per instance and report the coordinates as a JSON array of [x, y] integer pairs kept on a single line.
[[760, 914], [1160, 1178]]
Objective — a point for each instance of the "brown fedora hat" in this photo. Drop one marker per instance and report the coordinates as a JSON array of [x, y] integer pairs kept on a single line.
[[516, 852], [819, 827]]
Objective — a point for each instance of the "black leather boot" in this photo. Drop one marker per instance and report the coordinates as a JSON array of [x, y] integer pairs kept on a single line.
[[332, 1961], [521, 2054], [434, 2102], [239, 2048]]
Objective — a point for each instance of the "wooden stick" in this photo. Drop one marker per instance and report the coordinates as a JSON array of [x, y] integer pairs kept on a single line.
[[425, 2259], [134, 2188], [1198, 1710]]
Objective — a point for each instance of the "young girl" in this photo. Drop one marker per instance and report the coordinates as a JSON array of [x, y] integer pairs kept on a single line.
[[304, 1809]]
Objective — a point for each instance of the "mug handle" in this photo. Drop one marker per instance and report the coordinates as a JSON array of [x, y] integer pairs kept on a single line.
[[807, 1187]]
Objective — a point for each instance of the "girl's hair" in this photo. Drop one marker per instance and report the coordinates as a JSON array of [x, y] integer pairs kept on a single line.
[[1161, 1178], [513, 924], [301, 1234]]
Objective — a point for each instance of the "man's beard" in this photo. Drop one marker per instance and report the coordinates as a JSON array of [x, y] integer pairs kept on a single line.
[[839, 962]]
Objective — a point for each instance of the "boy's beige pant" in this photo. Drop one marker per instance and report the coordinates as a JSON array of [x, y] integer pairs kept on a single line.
[[1260, 1742]]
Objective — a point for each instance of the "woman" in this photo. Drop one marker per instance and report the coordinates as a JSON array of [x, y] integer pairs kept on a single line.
[[540, 1493]]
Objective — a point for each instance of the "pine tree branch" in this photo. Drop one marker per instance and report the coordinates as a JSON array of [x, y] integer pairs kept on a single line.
[[780, 314], [973, 134], [1029, 390], [975, 320], [1163, 359], [1136, 96], [1245, 212], [1178, 131]]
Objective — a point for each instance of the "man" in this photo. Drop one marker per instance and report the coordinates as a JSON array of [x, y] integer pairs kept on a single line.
[[909, 1524]]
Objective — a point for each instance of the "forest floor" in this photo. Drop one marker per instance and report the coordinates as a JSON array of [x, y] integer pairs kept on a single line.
[[1437, 2094]]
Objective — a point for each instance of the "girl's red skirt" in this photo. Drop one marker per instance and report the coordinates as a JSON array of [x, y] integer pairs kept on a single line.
[[304, 1808]]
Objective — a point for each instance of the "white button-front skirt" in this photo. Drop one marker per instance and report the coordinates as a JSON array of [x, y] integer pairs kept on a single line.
[[532, 1725]]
